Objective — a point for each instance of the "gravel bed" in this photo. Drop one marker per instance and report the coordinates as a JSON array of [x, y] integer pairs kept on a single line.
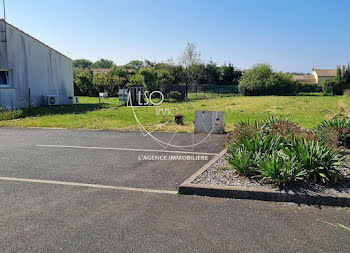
[[216, 175]]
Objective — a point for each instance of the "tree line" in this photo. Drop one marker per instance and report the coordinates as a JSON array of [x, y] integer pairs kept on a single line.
[[340, 83], [189, 71]]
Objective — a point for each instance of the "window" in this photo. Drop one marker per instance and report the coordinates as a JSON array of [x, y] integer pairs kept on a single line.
[[4, 78]]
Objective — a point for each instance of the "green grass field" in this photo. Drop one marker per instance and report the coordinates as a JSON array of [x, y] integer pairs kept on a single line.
[[307, 111]]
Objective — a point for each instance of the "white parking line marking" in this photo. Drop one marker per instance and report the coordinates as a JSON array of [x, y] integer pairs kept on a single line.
[[129, 149], [99, 186], [335, 225]]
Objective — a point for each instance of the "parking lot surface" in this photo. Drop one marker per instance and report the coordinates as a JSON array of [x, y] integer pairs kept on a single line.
[[90, 191]]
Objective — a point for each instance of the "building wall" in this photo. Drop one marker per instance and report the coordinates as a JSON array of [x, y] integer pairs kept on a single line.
[[36, 66], [316, 76], [321, 79]]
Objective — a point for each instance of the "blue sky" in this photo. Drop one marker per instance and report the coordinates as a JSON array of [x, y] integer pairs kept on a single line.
[[291, 35]]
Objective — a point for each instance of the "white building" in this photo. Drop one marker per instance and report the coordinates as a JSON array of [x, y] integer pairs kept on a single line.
[[318, 76], [31, 70]]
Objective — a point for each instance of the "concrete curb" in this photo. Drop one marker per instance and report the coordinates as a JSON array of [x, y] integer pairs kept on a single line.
[[187, 188]]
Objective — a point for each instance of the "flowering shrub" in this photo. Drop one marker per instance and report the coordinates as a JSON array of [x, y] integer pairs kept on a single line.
[[274, 126], [279, 151], [337, 126]]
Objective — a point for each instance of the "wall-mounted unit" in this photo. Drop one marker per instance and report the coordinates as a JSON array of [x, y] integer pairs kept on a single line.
[[51, 100]]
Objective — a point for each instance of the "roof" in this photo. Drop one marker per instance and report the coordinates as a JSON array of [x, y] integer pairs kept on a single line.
[[129, 70], [326, 72], [304, 79], [3, 20], [100, 70], [108, 70]]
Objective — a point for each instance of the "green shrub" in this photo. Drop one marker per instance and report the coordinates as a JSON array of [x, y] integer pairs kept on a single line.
[[176, 95], [335, 86], [11, 114], [279, 151], [16, 114], [280, 168], [308, 88], [242, 160], [253, 81], [261, 80], [319, 162], [281, 84]]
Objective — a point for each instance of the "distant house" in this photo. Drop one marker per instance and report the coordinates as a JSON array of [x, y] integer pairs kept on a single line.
[[100, 71], [31, 71], [318, 76], [322, 75], [129, 70], [105, 71]]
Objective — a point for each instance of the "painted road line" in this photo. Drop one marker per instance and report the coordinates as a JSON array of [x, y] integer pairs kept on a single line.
[[128, 149], [99, 186]]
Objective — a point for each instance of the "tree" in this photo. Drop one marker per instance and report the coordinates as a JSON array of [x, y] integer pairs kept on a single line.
[[103, 64], [230, 75], [82, 63], [156, 79], [83, 85], [253, 81], [336, 86], [190, 56], [149, 64], [281, 84], [339, 72], [108, 83], [135, 64], [196, 74], [346, 77], [150, 78], [135, 81], [212, 73], [164, 80], [339, 83], [178, 74], [120, 71]]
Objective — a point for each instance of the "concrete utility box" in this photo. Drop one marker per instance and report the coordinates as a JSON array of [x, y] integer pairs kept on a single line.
[[209, 122], [123, 95]]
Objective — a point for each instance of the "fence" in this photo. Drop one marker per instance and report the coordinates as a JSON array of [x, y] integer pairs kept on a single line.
[[212, 90]]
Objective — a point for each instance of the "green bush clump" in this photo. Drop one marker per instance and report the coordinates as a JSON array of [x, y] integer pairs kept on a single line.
[[280, 168], [176, 95], [308, 88], [11, 114], [261, 80], [335, 86], [279, 151]]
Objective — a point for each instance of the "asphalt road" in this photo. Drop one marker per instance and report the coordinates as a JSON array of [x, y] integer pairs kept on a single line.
[[57, 217]]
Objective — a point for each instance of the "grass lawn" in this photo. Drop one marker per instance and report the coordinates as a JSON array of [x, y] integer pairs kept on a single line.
[[307, 111]]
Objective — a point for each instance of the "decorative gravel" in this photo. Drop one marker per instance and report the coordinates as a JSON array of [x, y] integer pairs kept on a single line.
[[221, 174]]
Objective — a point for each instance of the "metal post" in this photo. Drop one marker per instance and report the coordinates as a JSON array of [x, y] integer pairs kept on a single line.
[[29, 99], [3, 3], [5, 35]]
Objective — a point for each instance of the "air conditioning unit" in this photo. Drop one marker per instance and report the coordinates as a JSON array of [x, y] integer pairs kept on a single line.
[[51, 100]]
